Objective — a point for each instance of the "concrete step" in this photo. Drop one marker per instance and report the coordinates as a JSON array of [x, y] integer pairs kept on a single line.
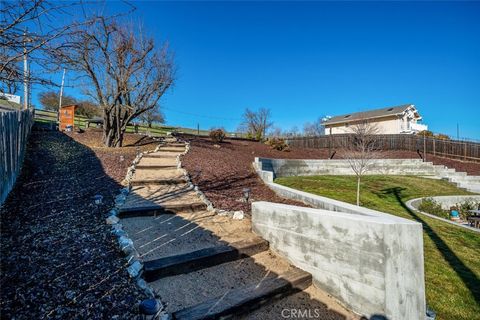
[[183, 232], [154, 176], [203, 258], [172, 149], [146, 162], [202, 285], [152, 199], [161, 155], [247, 298], [143, 182], [156, 167], [174, 144], [155, 210], [472, 179]]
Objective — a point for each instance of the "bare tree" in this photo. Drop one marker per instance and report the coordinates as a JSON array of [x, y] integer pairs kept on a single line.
[[314, 129], [125, 73], [360, 148], [257, 123], [26, 29], [152, 116]]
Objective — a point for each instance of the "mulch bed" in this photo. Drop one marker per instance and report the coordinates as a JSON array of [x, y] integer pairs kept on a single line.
[[58, 257], [222, 173]]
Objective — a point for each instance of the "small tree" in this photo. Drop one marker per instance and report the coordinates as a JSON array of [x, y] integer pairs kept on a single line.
[[360, 148], [152, 116], [314, 129], [257, 123]]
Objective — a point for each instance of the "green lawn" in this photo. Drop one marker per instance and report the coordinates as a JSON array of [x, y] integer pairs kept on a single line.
[[452, 254]]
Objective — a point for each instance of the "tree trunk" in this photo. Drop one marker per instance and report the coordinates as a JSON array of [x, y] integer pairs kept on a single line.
[[358, 190]]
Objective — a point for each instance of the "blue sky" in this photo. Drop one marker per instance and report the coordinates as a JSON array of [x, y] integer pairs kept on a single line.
[[307, 59]]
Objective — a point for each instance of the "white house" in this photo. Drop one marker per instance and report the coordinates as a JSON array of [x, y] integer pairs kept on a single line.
[[391, 120]]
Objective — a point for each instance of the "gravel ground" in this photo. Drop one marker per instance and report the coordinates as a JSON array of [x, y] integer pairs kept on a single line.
[[223, 172], [58, 258]]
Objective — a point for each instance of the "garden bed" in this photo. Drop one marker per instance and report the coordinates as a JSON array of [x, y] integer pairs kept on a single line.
[[223, 170]]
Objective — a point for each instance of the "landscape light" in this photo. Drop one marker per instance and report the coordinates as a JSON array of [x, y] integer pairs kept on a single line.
[[246, 194]]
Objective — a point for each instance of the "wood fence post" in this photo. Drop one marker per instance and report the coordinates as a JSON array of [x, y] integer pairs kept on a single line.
[[434, 147]]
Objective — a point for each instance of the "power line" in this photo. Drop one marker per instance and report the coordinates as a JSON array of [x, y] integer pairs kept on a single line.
[[201, 116]]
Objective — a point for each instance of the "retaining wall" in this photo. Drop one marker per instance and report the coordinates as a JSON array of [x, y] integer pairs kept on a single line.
[[373, 263], [369, 260], [287, 167]]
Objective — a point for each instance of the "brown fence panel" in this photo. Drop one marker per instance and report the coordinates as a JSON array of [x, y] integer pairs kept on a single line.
[[15, 127], [460, 150]]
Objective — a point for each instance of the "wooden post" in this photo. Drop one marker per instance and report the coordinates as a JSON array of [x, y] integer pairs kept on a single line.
[[424, 147], [465, 151], [434, 147]]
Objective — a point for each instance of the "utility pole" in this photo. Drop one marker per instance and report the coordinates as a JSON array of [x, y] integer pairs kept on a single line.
[[25, 71], [60, 96], [458, 132], [61, 91]]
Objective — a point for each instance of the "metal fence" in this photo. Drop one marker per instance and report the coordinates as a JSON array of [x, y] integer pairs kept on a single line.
[[460, 150], [14, 129]]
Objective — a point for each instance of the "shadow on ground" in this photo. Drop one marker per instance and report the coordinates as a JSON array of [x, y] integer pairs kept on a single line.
[[467, 276], [58, 258]]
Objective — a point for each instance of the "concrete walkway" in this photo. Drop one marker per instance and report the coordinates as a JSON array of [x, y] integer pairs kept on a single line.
[[206, 265]]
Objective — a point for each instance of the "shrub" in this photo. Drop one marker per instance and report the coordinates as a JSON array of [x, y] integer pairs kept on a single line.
[[465, 206], [431, 206], [217, 135], [278, 144], [442, 136]]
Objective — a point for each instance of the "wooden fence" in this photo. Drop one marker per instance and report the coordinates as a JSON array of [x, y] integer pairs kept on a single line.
[[461, 150], [14, 129], [50, 118]]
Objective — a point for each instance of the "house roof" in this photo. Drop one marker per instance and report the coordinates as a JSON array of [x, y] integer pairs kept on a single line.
[[369, 114]]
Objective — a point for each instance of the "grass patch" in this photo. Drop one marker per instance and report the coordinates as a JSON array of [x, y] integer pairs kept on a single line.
[[452, 254]]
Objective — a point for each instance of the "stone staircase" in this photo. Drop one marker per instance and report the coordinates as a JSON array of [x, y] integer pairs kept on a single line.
[[204, 265]]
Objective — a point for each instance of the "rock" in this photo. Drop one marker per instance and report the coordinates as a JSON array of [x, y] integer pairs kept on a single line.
[[113, 212], [119, 232], [223, 212], [124, 242], [70, 295], [238, 215], [134, 269], [112, 220], [117, 226], [217, 146], [98, 198]]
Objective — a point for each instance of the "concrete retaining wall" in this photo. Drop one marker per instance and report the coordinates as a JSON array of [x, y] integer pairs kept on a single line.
[[370, 261], [287, 167], [445, 201]]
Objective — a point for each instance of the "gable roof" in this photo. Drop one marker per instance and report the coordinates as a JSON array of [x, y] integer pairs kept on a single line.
[[370, 114]]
